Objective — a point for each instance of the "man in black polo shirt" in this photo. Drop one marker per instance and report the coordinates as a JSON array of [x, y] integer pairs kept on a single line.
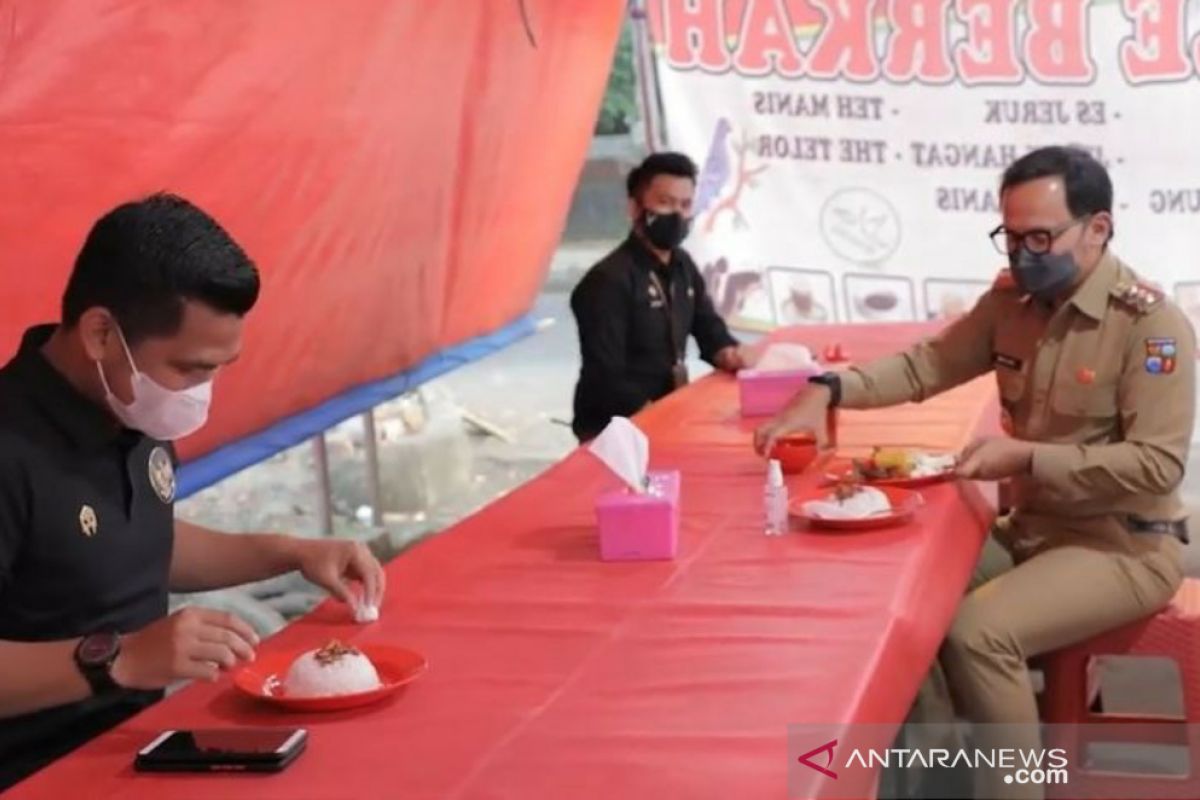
[[89, 547], [636, 308]]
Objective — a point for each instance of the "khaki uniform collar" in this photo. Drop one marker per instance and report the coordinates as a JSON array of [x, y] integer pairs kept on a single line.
[[1091, 297]]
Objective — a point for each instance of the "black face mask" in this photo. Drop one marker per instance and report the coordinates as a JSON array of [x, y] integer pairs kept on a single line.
[[1045, 276], [665, 231]]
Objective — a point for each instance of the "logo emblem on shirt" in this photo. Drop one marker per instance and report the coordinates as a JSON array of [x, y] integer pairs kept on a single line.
[[656, 298], [1085, 376], [1160, 356], [88, 523], [162, 474]]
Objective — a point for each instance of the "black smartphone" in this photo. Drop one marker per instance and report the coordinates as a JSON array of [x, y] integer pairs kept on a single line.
[[222, 750]]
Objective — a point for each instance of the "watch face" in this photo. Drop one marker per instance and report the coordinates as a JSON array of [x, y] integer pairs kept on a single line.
[[98, 649]]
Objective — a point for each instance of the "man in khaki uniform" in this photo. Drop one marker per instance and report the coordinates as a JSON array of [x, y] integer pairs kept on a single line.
[[1096, 372]]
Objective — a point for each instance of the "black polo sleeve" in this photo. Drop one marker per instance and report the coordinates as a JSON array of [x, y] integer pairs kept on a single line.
[[14, 509], [711, 332], [602, 305]]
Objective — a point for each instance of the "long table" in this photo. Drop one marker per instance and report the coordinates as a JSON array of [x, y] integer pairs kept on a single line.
[[553, 675]]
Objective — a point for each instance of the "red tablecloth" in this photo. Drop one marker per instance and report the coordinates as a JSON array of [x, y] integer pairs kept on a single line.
[[554, 676]]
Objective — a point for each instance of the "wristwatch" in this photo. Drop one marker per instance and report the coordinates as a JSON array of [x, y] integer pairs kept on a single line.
[[94, 656], [833, 382]]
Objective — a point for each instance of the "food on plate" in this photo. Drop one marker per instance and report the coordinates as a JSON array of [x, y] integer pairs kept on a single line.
[[334, 669], [849, 500], [894, 463]]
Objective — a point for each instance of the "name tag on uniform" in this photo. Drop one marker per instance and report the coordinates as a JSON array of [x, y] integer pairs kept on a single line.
[[1008, 362]]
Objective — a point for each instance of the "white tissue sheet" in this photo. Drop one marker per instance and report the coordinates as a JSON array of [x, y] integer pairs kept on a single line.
[[784, 356], [625, 450]]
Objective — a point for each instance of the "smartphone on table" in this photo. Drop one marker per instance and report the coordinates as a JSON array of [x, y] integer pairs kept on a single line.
[[222, 750]]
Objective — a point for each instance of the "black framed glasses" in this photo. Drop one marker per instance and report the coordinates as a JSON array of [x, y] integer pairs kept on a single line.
[[1036, 241]]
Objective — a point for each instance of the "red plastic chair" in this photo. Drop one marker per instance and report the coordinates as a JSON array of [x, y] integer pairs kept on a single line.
[[1070, 693]]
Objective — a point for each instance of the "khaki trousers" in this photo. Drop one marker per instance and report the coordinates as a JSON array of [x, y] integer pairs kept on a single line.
[[1067, 591]]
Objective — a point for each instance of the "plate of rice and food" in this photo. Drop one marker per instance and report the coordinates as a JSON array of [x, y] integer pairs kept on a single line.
[[855, 507], [894, 466], [335, 677]]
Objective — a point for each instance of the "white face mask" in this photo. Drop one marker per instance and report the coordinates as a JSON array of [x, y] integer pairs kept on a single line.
[[156, 411]]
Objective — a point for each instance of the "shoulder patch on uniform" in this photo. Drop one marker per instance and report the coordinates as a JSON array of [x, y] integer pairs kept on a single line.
[[1004, 280], [1141, 297], [1161, 353]]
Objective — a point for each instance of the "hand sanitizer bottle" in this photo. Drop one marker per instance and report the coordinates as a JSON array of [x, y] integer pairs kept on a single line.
[[775, 498]]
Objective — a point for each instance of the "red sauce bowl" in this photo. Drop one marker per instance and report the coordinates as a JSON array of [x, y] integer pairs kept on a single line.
[[795, 453]]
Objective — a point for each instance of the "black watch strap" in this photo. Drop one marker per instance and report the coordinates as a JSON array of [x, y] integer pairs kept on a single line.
[[833, 382], [94, 656]]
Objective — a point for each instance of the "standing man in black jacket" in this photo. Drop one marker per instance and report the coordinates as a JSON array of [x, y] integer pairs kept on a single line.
[[636, 308]]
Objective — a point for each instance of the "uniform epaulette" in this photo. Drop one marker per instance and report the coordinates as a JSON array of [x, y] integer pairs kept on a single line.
[[1141, 297], [1004, 280]]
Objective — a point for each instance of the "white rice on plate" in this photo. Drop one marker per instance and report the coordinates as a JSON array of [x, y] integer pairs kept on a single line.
[[335, 669], [865, 502]]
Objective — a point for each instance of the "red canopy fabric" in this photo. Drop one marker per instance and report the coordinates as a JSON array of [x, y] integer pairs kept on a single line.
[[553, 675], [400, 171]]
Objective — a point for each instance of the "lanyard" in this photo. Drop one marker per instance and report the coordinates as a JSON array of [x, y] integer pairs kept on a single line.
[[668, 306]]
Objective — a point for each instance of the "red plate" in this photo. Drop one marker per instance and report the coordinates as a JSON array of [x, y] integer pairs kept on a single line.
[[843, 469], [904, 504], [263, 679]]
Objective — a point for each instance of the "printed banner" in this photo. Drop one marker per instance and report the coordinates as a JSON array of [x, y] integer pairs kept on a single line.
[[851, 150]]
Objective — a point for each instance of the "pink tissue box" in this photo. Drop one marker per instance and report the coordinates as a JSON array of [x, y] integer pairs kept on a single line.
[[763, 394], [640, 527]]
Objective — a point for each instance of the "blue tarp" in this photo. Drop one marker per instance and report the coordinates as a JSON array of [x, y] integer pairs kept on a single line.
[[207, 470]]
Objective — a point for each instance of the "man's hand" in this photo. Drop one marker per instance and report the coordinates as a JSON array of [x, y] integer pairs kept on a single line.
[[192, 643], [730, 359], [752, 353], [333, 563], [995, 459], [808, 411]]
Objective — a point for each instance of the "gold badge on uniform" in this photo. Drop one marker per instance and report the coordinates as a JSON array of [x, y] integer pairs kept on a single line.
[[162, 474], [1142, 297], [88, 523]]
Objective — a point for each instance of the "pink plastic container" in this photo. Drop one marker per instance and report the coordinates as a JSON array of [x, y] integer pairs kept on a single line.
[[763, 394], [640, 527]]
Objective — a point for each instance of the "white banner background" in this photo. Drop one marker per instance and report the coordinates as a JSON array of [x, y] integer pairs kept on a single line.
[[866, 195]]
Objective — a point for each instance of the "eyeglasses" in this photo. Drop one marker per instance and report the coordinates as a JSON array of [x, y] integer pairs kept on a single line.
[[1036, 241]]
